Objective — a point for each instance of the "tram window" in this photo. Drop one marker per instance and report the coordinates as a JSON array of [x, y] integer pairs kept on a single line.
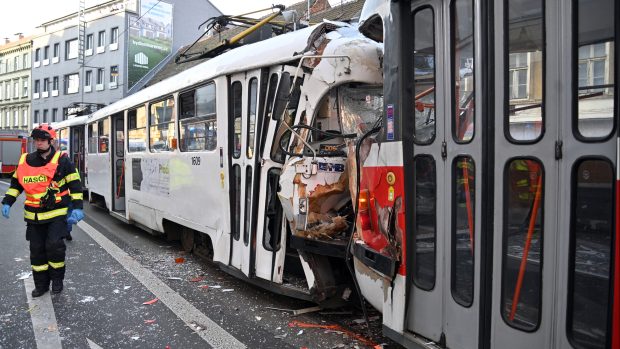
[[104, 135], [120, 137], [522, 243], [463, 229], [92, 137], [524, 71], [236, 104], [137, 129], [273, 212], [252, 107], [595, 68], [591, 254], [463, 85], [248, 205], [236, 204], [162, 121], [425, 222], [198, 122], [273, 82], [424, 75], [283, 135]]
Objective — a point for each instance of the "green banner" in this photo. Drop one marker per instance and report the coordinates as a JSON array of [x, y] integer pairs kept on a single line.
[[150, 38]]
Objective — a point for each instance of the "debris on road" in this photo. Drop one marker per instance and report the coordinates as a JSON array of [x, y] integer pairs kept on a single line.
[[337, 328], [24, 275], [152, 301]]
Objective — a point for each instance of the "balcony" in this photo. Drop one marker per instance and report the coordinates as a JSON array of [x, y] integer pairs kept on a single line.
[[88, 52], [45, 94], [99, 87], [35, 95], [101, 49], [54, 93], [37, 64], [55, 59], [114, 46], [88, 88], [46, 62]]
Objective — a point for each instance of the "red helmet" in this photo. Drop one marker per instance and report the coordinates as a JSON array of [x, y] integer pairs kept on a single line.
[[43, 131]]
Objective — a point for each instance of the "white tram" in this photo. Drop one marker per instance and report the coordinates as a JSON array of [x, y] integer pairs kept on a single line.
[[70, 139], [489, 201], [200, 156]]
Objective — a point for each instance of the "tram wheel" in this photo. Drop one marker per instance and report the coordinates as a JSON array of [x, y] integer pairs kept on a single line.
[[187, 239]]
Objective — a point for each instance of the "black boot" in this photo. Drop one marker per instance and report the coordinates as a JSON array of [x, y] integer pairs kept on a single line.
[[69, 237], [38, 292], [57, 286]]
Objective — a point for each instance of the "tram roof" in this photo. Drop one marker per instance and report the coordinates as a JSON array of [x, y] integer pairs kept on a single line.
[[78, 120], [273, 51]]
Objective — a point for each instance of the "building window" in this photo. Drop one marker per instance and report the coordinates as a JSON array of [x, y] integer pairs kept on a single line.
[[15, 118], [25, 62], [25, 117], [1, 68], [55, 84], [46, 83], [100, 74], [55, 115], [89, 41], [7, 90], [44, 115], [72, 83], [46, 53], [114, 35], [56, 50], [113, 75], [15, 63], [37, 55], [71, 49], [36, 117], [37, 86], [101, 39], [25, 87], [16, 89], [89, 78], [517, 75]]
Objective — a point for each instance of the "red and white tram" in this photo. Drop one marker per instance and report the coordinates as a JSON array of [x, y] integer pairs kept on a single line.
[[489, 200]]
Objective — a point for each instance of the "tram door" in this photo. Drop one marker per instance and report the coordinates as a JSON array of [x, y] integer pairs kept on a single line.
[[77, 150], [243, 110], [555, 160], [118, 162], [443, 241]]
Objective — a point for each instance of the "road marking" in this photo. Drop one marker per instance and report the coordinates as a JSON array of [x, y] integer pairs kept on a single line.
[[210, 331], [43, 318], [92, 344]]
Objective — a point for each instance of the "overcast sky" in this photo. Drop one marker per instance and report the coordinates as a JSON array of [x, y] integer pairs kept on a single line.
[[25, 15]]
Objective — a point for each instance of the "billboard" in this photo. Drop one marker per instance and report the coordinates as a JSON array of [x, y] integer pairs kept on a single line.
[[150, 38]]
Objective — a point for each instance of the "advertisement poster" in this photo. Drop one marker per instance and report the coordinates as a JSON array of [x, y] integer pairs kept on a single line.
[[150, 38]]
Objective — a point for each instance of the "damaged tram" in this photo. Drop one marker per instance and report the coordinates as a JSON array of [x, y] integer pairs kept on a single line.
[[246, 157], [489, 201]]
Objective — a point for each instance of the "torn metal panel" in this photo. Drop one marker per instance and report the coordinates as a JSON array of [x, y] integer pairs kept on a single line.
[[319, 189]]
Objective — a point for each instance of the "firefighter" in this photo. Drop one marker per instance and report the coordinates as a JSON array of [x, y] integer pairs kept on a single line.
[[51, 183]]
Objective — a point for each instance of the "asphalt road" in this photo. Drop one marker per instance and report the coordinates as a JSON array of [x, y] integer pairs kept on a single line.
[[114, 268]]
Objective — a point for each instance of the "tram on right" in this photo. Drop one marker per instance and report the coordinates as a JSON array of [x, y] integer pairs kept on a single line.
[[488, 202]]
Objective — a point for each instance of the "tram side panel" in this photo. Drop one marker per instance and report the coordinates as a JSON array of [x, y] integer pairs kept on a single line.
[[185, 187]]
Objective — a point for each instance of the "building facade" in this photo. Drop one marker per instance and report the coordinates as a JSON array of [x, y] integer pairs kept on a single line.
[[123, 43], [15, 84]]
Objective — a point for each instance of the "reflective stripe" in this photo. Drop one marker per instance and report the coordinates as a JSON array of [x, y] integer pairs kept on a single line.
[[56, 157], [40, 267], [45, 215], [52, 214], [12, 192], [15, 174], [78, 196], [56, 265], [22, 159], [72, 177]]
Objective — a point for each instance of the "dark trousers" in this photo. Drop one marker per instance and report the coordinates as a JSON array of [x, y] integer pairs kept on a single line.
[[47, 251]]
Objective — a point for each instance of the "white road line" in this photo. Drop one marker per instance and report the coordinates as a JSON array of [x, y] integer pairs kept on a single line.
[[43, 318], [210, 331]]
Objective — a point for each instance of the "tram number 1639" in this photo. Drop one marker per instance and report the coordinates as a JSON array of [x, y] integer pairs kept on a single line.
[[195, 160]]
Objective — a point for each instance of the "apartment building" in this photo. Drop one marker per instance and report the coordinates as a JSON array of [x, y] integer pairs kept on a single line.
[[15, 84], [123, 44]]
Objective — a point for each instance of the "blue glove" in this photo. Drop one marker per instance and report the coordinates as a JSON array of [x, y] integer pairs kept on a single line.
[[76, 216], [5, 210]]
